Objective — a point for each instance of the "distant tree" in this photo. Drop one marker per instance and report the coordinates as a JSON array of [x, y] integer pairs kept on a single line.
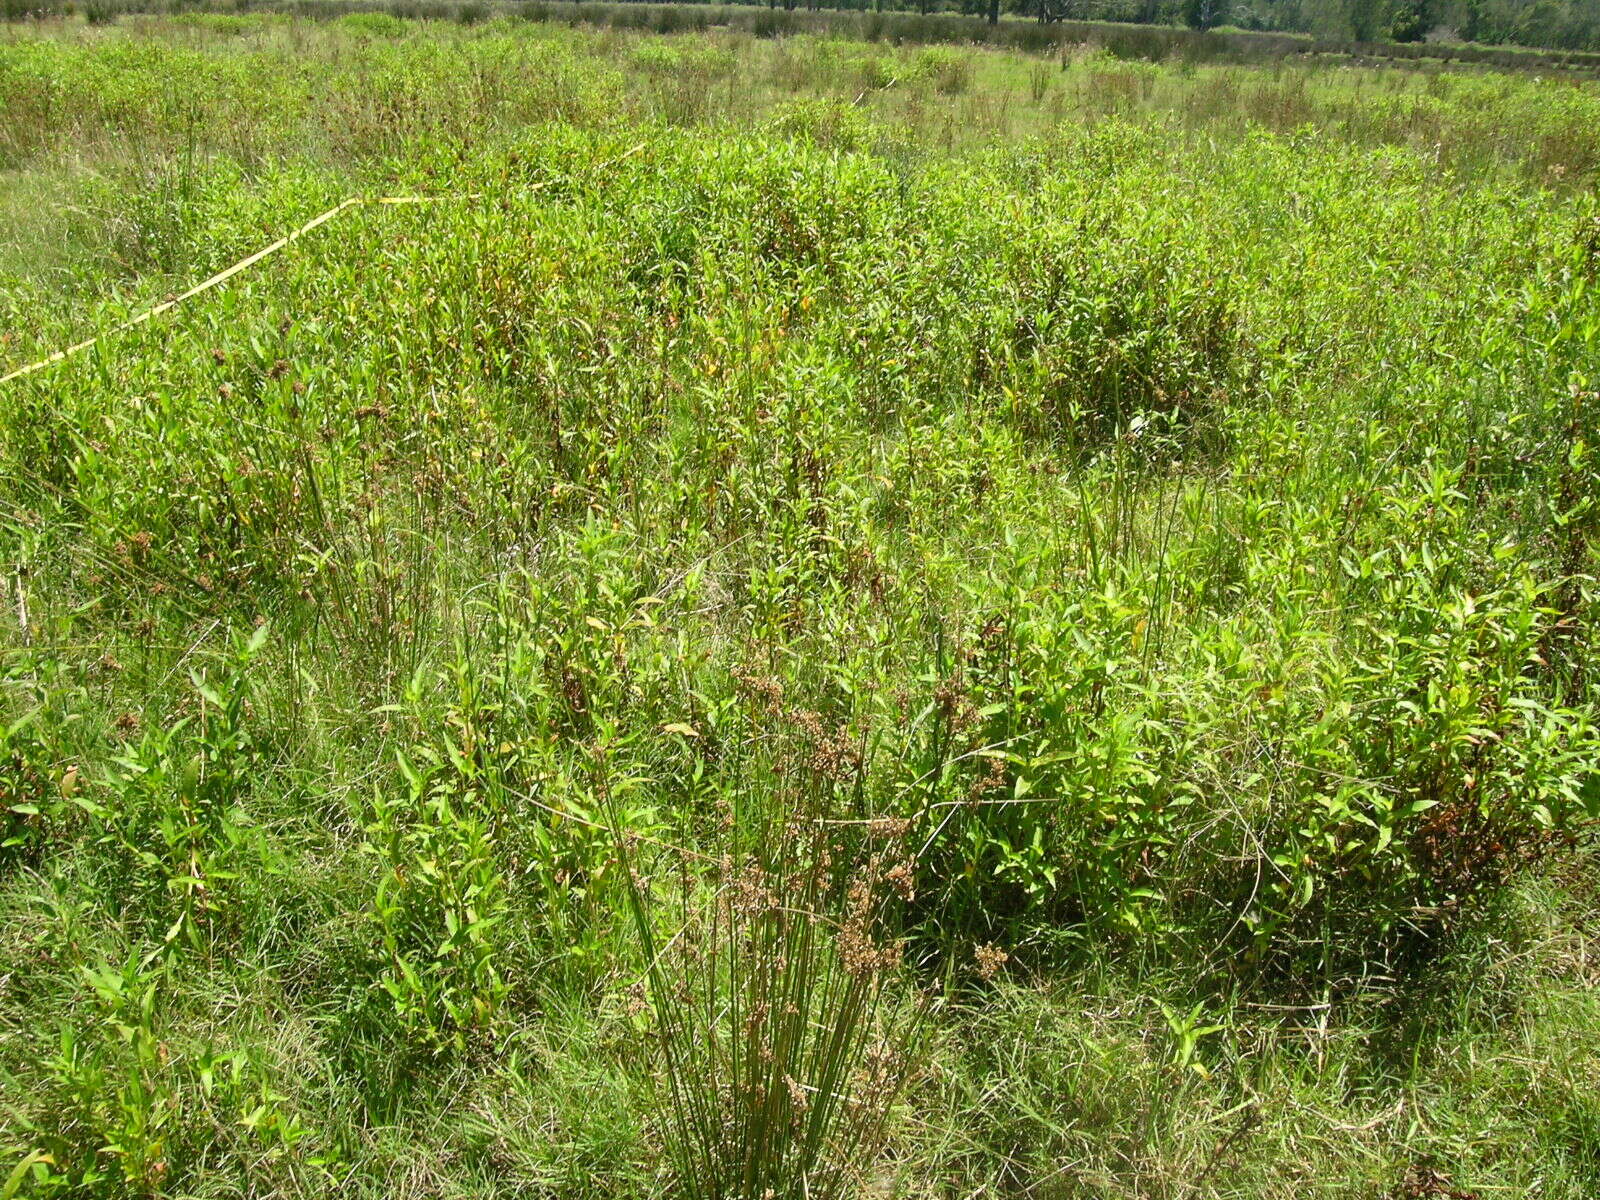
[[1564, 26], [1203, 14], [1051, 11], [1411, 22], [1363, 16]]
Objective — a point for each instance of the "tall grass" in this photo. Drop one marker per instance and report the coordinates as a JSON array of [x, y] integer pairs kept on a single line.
[[771, 999]]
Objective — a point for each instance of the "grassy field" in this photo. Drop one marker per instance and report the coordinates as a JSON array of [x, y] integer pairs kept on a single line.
[[1157, 36], [820, 619]]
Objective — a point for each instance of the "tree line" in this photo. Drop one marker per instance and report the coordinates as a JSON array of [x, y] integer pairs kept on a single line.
[[1549, 24]]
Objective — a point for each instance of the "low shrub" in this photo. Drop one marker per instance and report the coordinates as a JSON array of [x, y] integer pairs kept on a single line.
[[374, 24]]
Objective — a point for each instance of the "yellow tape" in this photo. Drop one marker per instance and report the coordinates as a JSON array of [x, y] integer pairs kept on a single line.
[[219, 277], [223, 276]]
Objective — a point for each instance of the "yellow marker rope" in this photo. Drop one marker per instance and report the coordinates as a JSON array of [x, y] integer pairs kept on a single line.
[[224, 276], [219, 277]]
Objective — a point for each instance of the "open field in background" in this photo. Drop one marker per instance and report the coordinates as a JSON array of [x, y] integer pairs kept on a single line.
[[349, 96], [855, 619], [1150, 42]]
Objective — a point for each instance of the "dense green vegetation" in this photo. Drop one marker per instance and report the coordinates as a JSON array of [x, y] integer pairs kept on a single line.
[[823, 619], [1447, 29]]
